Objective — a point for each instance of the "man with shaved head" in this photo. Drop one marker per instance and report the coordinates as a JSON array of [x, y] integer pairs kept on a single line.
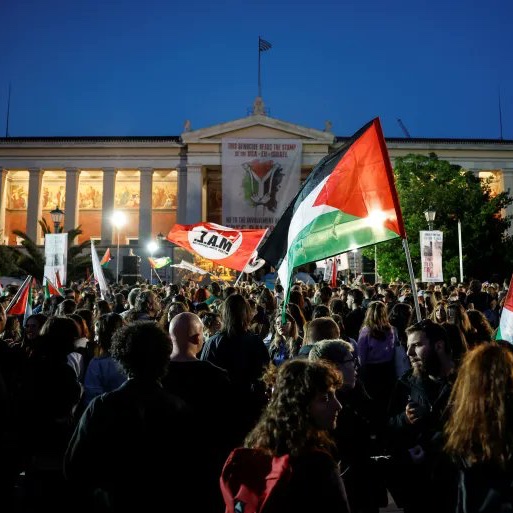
[[209, 393]]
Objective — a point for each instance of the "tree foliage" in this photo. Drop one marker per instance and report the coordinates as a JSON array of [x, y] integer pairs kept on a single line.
[[454, 193], [31, 260]]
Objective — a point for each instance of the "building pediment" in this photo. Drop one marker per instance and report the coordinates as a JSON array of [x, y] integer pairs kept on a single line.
[[257, 127]]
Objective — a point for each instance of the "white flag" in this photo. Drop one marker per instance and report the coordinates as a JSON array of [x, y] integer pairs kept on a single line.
[[98, 273]]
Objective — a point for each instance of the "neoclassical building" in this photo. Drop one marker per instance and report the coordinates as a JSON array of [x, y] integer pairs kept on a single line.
[[159, 181]]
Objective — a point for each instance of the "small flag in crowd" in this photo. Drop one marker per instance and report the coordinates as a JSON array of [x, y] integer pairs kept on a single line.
[[104, 262], [98, 273], [58, 282], [158, 263], [505, 331], [225, 246], [263, 45], [21, 303], [348, 201], [50, 289]]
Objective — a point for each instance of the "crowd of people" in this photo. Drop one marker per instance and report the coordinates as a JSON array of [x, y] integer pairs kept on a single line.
[[136, 401]]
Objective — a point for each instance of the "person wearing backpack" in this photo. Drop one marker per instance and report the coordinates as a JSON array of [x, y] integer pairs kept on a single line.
[[479, 432], [288, 463]]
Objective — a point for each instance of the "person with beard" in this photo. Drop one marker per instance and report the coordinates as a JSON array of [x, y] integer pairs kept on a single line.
[[421, 477]]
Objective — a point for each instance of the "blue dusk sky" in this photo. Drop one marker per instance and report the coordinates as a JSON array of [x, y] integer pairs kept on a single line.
[[126, 67]]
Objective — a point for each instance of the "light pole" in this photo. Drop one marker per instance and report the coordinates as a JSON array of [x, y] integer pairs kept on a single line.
[[56, 214], [160, 240], [430, 215], [152, 247], [118, 220]]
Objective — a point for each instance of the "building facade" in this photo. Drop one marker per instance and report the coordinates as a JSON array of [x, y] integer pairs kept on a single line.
[[160, 181]]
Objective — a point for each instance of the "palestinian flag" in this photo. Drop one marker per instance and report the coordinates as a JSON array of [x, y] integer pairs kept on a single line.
[[50, 289], [58, 282], [505, 331], [225, 246], [21, 303], [104, 262], [348, 201], [158, 263]]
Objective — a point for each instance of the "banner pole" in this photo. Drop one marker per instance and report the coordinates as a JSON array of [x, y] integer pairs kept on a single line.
[[412, 279], [460, 251]]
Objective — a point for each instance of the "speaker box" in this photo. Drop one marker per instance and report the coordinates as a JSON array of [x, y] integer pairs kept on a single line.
[[131, 279], [130, 265]]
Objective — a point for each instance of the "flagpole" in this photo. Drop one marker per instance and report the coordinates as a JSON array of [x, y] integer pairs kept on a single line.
[[412, 279], [259, 84]]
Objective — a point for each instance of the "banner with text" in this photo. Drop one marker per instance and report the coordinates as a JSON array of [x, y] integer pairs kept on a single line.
[[260, 178], [56, 256], [431, 256]]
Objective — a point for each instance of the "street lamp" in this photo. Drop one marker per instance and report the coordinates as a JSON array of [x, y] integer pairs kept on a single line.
[[57, 214], [152, 247], [160, 241], [118, 220], [430, 215]]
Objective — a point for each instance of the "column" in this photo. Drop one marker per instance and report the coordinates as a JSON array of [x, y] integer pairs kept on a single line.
[[109, 183], [3, 203], [193, 196], [145, 205], [34, 203], [182, 194], [71, 209]]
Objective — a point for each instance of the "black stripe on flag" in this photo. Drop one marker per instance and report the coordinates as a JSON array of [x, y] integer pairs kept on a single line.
[[264, 45]]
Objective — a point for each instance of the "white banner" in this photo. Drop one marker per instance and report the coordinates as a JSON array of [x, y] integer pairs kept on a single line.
[[431, 256], [260, 178], [56, 256]]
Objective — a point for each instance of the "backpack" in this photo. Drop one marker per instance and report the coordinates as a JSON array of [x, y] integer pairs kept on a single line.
[[253, 481]]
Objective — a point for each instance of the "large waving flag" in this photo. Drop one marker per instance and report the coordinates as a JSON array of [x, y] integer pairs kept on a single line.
[[348, 201], [225, 246], [505, 331], [158, 263]]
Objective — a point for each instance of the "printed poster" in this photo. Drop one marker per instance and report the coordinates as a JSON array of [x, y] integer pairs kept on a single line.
[[56, 256], [431, 243], [259, 179]]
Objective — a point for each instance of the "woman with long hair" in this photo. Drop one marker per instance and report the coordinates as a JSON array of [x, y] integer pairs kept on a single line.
[[479, 431], [376, 348], [242, 354], [103, 374], [456, 314], [484, 332], [286, 341], [301, 413], [439, 314]]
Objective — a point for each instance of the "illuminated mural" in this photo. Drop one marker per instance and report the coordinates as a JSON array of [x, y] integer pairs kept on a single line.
[[17, 196], [164, 195], [90, 195], [127, 195], [53, 195]]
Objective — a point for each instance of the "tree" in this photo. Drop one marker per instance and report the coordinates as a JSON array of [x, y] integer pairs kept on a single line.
[[32, 259], [455, 193]]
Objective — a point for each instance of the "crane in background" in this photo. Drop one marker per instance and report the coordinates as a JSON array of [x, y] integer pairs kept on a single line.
[[403, 128]]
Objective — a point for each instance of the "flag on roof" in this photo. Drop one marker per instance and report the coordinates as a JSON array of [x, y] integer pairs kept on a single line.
[[104, 262], [158, 263], [348, 201], [505, 331], [225, 246], [263, 45]]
